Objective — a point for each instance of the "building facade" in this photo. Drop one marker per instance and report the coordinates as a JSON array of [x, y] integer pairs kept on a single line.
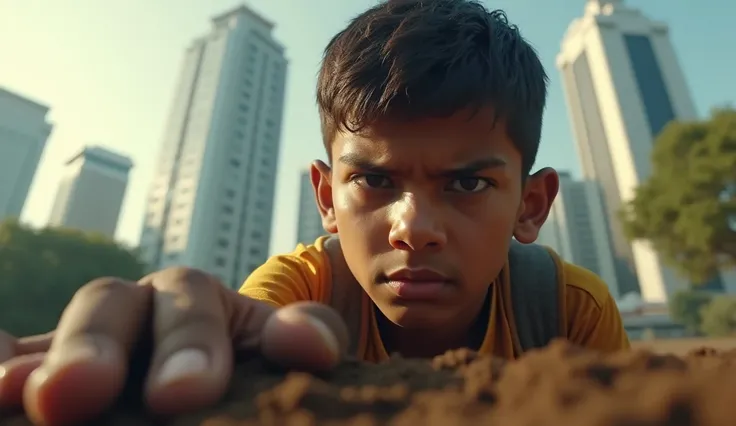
[[24, 130], [309, 223], [577, 230], [623, 84], [211, 201], [91, 191]]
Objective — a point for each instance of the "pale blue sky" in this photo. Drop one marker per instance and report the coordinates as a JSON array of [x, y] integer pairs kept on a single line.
[[108, 69]]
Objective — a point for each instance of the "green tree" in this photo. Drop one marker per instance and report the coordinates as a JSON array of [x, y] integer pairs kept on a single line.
[[685, 307], [687, 207], [41, 270], [719, 317]]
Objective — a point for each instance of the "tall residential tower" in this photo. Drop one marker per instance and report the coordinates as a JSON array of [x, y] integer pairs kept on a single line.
[[309, 223], [623, 84], [91, 191], [576, 229], [211, 201], [23, 135]]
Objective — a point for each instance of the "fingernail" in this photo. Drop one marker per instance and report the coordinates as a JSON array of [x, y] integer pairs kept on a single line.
[[328, 337], [183, 364]]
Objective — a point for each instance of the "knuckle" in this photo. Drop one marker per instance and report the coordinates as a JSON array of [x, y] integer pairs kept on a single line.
[[195, 324], [103, 286], [192, 277]]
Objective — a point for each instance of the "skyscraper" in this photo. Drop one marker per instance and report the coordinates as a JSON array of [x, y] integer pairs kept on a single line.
[[211, 200], [623, 84], [309, 223], [576, 229], [91, 191], [23, 135]]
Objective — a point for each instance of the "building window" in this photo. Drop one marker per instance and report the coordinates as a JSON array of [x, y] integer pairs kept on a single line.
[[223, 243], [220, 261], [648, 76]]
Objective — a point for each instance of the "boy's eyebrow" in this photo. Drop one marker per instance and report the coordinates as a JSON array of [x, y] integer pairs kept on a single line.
[[475, 166], [359, 162]]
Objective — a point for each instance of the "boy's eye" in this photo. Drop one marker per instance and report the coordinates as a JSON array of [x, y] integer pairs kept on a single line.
[[373, 181], [469, 184]]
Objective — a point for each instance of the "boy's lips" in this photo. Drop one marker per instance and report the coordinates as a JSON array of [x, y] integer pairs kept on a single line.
[[417, 284]]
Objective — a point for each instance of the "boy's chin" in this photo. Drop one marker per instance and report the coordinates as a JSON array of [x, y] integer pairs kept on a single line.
[[415, 316]]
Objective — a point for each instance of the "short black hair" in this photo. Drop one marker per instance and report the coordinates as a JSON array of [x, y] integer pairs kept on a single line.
[[411, 59]]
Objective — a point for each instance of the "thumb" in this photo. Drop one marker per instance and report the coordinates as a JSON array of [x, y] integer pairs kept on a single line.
[[305, 335]]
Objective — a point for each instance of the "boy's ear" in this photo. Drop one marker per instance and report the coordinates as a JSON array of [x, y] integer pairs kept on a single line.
[[321, 176], [537, 197]]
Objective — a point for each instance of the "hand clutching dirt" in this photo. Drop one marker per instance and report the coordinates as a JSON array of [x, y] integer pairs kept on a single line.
[[178, 348], [171, 336], [559, 385]]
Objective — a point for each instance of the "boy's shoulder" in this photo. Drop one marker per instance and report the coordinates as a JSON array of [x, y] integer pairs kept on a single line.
[[581, 280], [305, 256], [302, 274], [541, 260]]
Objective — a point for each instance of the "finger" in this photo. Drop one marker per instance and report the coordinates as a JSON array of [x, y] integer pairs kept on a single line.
[[34, 344], [193, 350], [13, 376], [7, 346], [86, 365], [306, 335]]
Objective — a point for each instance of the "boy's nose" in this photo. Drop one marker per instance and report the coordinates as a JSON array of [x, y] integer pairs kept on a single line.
[[416, 225]]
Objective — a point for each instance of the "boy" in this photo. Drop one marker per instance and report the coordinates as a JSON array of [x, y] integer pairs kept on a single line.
[[431, 116]]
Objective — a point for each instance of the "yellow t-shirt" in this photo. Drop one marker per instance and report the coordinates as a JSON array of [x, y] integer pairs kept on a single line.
[[589, 317]]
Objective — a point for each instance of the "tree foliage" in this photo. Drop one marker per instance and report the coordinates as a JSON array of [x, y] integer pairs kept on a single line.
[[687, 207], [41, 270], [719, 317], [686, 308]]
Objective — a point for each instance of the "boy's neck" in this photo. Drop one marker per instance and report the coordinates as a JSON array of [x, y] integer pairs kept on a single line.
[[412, 343]]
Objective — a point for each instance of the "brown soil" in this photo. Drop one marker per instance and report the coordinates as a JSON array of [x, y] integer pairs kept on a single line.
[[560, 385]]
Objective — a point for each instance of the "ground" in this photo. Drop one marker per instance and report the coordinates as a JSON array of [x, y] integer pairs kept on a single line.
[[559, 385]]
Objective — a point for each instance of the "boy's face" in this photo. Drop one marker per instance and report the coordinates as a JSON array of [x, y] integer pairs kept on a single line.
[[425, 211]]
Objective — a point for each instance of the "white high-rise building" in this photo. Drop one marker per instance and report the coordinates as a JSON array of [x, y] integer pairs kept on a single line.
[[577, 230], [24, 131], [91, 191], [623, 84], [211, 201], [309, 223]]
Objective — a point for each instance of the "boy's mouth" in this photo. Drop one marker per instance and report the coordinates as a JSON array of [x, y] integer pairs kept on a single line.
[[417, 283]]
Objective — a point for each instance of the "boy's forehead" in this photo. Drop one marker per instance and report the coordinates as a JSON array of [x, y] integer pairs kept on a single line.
[[459, 137], [434, 152]]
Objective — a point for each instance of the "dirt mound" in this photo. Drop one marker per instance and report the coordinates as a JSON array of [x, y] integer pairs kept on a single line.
[[560, 385]]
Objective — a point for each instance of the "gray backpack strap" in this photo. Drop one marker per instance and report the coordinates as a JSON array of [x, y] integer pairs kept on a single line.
[[346, 294], [534, 294]]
